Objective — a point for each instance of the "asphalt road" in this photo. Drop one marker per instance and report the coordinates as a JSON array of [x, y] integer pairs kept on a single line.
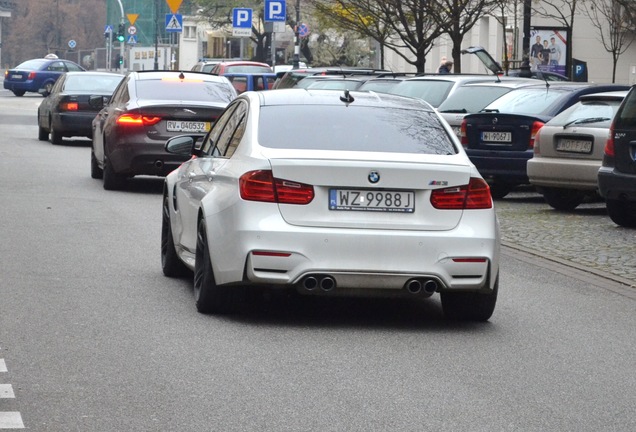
[[94, 338]]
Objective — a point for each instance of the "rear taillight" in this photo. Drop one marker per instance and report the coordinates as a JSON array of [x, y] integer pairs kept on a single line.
[[31, 75], [462, 134], [6, 74], [536, 126], [474, 195], [262, 186], [537, 142], [137, 120], [609, 144], [69, 106]]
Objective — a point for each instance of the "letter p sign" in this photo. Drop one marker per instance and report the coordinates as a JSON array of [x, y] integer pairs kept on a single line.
[[242, 18], [275, 10]]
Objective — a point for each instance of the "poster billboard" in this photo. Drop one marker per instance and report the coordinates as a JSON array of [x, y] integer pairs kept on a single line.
[[548, 49]]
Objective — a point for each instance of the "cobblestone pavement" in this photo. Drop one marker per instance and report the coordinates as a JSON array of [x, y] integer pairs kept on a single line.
[[585, 238]]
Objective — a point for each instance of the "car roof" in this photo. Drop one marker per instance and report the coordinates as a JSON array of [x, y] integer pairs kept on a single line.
[[296, 96], [153, 74], [608, 95], [514, 82]]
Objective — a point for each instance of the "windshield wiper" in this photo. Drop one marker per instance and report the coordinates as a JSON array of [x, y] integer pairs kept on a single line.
[[586, 120]]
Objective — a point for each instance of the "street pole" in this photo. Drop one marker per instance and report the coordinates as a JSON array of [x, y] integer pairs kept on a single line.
[[156, 35], [121, 44], [296, 63]]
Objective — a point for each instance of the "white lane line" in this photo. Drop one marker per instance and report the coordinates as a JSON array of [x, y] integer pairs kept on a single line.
[[11, 420], [3, 366], [6, 391]]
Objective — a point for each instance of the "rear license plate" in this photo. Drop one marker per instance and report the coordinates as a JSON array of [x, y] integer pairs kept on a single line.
[[187, 126], [16, 76], [372, 200], [504, 137], [574, 146]]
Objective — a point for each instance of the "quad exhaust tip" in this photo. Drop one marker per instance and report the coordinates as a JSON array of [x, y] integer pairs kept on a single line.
[[417, 286], [325, 283]]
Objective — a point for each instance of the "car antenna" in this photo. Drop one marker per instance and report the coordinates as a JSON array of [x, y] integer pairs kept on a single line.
[[347, 98]]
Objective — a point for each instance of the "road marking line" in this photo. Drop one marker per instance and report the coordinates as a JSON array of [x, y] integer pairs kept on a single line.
[[3, 366], [6, 391], [11, 420]]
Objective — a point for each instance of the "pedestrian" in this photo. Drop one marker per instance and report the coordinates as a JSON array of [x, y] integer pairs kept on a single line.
[[446, 67], [441, 63]]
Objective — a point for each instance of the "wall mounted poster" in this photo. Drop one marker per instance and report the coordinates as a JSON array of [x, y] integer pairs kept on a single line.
[[548, 49]]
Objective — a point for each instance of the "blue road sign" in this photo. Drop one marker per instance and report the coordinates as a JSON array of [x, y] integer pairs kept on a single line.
[[241, 22], [275, 10], [108, 28], [132, 40], [174, 23]]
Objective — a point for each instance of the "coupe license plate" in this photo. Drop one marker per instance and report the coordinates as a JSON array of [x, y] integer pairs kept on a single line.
[[504, 137], [187, 126], [574, 146], [372, 200]]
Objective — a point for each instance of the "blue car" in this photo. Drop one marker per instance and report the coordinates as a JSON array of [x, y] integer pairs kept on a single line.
[[36, 74]]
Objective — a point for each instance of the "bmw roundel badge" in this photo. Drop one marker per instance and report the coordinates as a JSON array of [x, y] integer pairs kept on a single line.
[[374, 177]]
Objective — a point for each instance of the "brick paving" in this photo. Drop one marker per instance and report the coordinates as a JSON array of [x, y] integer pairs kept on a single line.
[[585, 238]]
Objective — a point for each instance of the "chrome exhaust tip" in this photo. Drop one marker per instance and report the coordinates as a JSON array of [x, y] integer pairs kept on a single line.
[[430, 286], [327, 283], [310, 283], [414, 286]]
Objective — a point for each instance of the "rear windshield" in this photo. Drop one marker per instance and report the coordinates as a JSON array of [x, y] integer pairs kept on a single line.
[[32, 64], [627, 114], [247, 69], [471, 99], [597, 113], [432, 91], [92, 83], [353, 128], [188, 90], [526, 101]]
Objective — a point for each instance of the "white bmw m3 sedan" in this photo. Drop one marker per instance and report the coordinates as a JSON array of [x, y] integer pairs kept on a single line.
[[331, 193]]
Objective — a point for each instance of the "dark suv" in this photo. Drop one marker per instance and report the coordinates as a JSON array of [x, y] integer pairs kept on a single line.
[[617, 175]]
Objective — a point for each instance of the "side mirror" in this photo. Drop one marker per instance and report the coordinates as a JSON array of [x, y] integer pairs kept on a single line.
[[98, 102], [183, 144]]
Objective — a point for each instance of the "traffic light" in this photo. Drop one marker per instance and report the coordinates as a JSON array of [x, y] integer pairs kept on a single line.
[[121, 59], [120, 33]]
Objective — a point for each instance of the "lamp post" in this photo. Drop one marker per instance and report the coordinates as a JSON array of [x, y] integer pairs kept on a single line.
[[296, 63]]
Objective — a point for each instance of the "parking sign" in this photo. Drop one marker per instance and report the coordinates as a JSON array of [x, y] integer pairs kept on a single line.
[[275, 10], [242, 22]]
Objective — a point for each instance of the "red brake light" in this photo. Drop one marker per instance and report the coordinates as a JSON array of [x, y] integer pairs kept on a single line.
[[474, 195], [262, 186], [535, 129], [462, 136], [31, 75], [609, 144], [69, 106], [537, 142], [137, 120]]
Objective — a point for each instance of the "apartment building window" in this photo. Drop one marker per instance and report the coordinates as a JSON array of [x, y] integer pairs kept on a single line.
[[189, 32]]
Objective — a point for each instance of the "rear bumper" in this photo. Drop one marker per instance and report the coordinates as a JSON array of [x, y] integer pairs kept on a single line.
[[564, 173], [614, 185], [74, 124], [143, 158], [509, 167], [19, 85], [272, 252]]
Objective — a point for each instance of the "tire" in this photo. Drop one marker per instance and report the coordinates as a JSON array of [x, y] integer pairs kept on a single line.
[[171, 265], [56, 137], [19, 92], [462, 306], [622, 213], [498, 190], [96, 171], [208, 296], [112, 180], [48, 86], [563, 199], [43, 134]]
